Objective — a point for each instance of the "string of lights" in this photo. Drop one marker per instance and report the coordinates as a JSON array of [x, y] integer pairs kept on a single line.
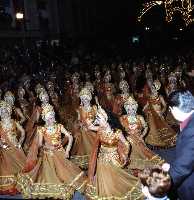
[[184, 7]]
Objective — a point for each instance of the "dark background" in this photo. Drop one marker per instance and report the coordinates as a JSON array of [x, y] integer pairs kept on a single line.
[[99, 20]]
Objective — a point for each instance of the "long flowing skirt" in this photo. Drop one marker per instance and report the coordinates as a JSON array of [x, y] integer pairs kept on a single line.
[[82, 147], [141, 156], [52, 177], [160, 135], [12, 161], [111, 181]]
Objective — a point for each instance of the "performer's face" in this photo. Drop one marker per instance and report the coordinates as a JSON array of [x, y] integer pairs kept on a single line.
[[50, 118], [50, 86], [5, 113], [97, 74], [21, 92], [85, 99], [27, 84], [172, 81], [9, 100], [107, 78], [44, 97], [130, 109]]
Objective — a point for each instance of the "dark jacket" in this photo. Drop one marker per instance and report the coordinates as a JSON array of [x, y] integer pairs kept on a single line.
[[182, 169]]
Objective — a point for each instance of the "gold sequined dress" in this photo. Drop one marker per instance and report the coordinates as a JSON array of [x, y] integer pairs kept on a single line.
[[12, 160], [47, 173], [108, 181], [141, 156], [160, 134], [83, 137]]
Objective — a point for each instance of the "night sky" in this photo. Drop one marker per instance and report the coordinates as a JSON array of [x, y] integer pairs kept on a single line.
[[120, 17], [117, 16]]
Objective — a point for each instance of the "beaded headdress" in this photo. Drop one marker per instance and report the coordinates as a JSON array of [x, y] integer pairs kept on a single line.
[[85, 92], [131, 101], [122, 84]]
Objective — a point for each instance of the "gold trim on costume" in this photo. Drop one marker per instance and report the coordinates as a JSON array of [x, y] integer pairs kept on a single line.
[[6, 181], [134, 194], [48, 190]]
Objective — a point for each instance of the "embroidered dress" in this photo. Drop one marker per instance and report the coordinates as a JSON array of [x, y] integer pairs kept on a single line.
[[109, 180], [47, 173], [141, 156], [83, 137], [160, 134], [12, 160]]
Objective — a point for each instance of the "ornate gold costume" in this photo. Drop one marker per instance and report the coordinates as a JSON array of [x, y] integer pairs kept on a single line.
[[83, 138], [141, 156], [108, 181], [48, 174], [12, 160], [160, 135]]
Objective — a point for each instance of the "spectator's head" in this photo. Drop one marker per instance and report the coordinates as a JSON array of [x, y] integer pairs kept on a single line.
[[181, 104], [156, 182]]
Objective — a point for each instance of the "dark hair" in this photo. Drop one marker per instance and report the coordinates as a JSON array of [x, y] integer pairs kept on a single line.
[[157, 181], [182, 99], [113, 120]]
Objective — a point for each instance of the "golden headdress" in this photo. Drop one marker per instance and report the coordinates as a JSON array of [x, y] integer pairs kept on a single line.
[[47, 109], [5, 105], [85, 92], [131, 101]]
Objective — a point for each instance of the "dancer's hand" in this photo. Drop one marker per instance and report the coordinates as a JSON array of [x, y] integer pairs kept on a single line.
[[67, 154]]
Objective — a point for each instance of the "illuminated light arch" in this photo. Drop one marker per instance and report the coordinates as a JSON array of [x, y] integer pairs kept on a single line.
[[184, 7]]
